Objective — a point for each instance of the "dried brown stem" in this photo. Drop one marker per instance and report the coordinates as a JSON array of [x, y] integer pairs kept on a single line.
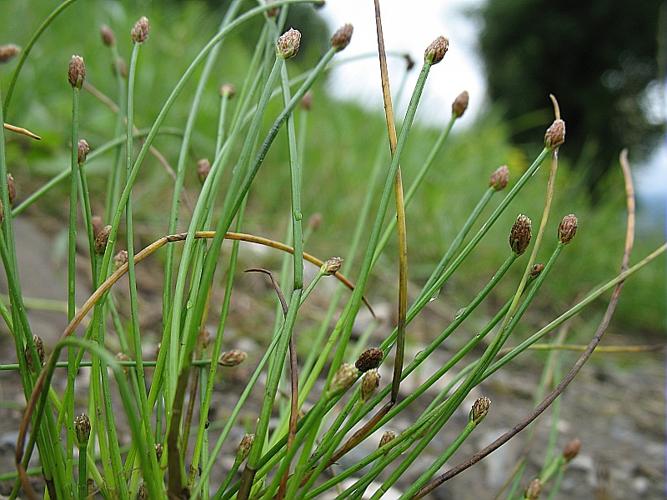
[[583, 358], [400, 212]]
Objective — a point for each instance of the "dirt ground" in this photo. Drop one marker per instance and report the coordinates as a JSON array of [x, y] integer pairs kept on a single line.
[[617, 412]]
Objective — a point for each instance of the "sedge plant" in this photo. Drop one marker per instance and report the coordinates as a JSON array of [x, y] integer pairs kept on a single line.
[[146, 428]]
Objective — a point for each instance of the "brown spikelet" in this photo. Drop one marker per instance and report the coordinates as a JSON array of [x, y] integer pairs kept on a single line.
[[101, 239], [140, 30], [76, 72], [227, 90], [232, 358], [341, 38], [288, 44], [369, 359], [520, 234], [244, 447], [572, 449], [369, 383], [203, 169], [82, 429], [479, 409], [536, 270], [11, 188], [500, 178], [107, 35], [567, 229], [315, 221], [39, 347], [555, 134], [307, 101], [534, 489], [345, 376], [387, 437], [83, 149], [8, 52], [435, 52], [460, 104], [120, 258], [332, 266]]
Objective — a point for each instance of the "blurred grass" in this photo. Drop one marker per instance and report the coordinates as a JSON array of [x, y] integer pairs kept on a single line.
[[341, 143]]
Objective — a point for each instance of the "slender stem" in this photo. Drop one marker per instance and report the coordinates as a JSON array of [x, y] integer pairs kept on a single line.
[[83, 473], [71, 274]]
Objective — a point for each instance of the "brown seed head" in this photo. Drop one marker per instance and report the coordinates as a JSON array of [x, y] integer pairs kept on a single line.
[[83, 149], [572, 449], [479, 409], [8, 52], [332, 266], [140, 30], [436, 51], [82, 429], [342, 37], [244, 447], [536, 270], [567, 229], [288, 44], [76, 73], [307, 101], [369, 383], [499, 178], [409, 62], [369, 359], [387, 437], [101, 239], [39, 347], [315, 221], [159, 449], [203, 169], [108, 37], [232, 358], [460, 104], [120, 259], [142, 492], [555, 134], [520, 234], [11, 188], [345, 376], [534, 489], [227, 90]]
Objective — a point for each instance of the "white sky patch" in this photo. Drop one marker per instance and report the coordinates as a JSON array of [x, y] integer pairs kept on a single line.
[[409, 29]]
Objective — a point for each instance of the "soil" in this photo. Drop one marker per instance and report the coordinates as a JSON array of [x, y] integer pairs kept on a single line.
[[615, 407]]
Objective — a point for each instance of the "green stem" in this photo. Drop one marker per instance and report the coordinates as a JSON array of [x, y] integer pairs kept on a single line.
[[83, 474]]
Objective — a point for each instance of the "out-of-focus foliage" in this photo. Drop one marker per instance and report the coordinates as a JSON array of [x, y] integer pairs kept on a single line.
[[341, 142], [599, 57]]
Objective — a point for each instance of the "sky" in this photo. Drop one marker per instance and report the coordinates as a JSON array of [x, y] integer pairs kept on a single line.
[[410, 29]]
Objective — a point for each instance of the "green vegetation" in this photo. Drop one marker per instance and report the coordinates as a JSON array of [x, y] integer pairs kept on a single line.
[[273, 163]]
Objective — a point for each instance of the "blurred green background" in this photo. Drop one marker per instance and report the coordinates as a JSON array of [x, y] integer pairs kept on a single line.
[[342, 139]]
